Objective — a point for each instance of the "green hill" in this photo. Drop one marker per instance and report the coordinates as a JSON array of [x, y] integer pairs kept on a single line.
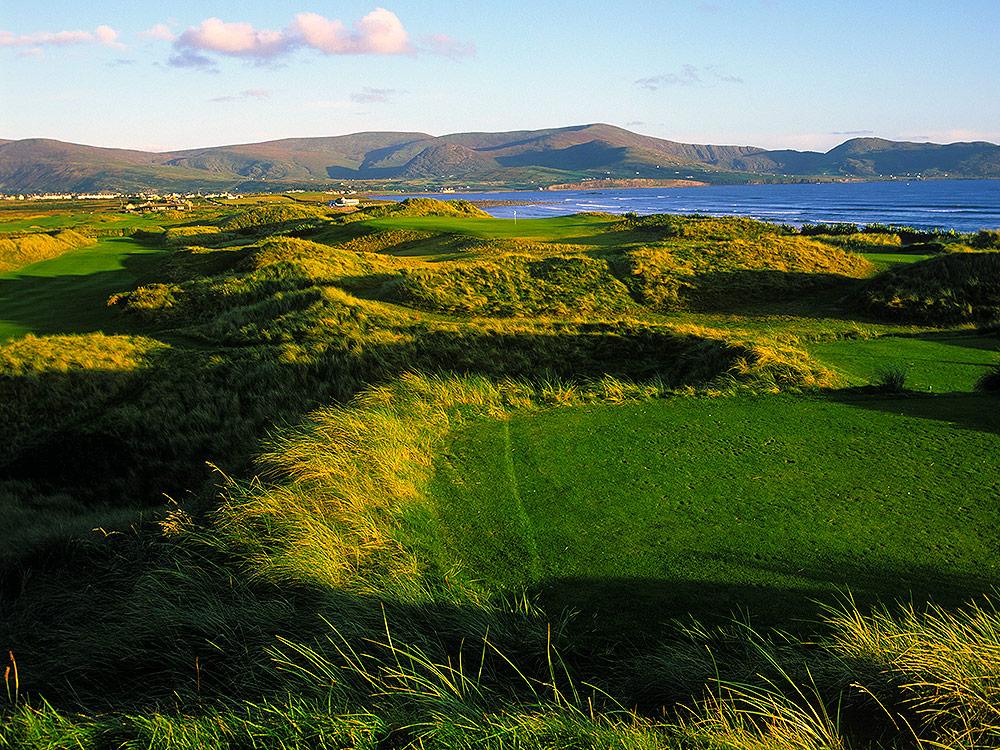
[[513, 158]]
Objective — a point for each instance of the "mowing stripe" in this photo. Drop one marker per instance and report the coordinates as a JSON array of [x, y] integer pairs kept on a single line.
[[531, 538]]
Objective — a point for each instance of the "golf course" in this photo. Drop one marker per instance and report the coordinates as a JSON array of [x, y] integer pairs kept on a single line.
[[279, 475]]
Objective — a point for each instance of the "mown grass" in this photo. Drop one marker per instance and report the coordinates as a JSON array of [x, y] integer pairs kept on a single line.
[[712, 506], [91, 216], [22, 250], [937, 362], [69, 293]]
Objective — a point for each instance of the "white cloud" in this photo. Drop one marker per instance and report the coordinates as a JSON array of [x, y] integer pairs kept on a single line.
[[256, 94], [235, 39], [160, 32], [442, 44], [102, 35], [688, 75], [369, 95], [380, 32]]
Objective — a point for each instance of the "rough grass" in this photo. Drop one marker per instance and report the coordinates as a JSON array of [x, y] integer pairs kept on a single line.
[[516, 285], [894, 676], [734, 271], [954, 288], [423, 207], [269, 214], [18, 251]]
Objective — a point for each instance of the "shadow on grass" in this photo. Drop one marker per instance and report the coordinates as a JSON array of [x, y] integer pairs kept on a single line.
[[128, 623], [769, 292], [984, 339], [790, 595], [970, 411], [128, 436], [75, 302]]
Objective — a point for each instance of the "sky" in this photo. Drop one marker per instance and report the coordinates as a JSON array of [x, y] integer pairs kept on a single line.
[[802, 74]]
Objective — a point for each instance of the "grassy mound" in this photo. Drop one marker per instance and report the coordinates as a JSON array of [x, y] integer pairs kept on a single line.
[[424, 207], [953, 288], [270, 214], [516, 285], [23, 250], [731, 271], [190, 235], [708, 228]]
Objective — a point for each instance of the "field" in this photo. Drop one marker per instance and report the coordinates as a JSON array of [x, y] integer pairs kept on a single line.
[[716, 506], [68, 294], [410, 476]]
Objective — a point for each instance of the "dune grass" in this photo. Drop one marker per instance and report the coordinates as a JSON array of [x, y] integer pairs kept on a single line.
[[555, 229], [947, 289]]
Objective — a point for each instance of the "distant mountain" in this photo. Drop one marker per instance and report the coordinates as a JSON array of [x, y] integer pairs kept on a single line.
[[873, 157], [519, 158]]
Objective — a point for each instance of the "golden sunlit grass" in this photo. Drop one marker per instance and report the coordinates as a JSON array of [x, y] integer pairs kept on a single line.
[[21, 250]]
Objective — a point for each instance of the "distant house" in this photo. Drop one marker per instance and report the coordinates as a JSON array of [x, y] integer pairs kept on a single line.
[[158, 206], [341, 202]]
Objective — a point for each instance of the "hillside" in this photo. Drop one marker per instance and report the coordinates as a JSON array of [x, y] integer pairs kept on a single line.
[[517, 158]]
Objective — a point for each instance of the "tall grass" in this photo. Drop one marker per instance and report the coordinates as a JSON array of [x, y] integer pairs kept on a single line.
[[954, 288], [941, 667], [20, 250]]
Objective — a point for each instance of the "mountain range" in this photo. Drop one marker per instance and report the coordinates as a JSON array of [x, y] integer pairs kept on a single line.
[[511, 159]]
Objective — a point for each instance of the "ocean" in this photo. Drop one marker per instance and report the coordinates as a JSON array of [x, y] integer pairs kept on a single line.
[[963, 205]]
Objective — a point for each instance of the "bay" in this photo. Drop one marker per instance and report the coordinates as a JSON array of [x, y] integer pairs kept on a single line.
[[962, 205]]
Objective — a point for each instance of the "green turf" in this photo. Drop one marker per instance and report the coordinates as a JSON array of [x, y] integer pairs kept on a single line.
[[938, 362], [68, 294], [79, 219], [559, 228], [887, 260], [633, 514]]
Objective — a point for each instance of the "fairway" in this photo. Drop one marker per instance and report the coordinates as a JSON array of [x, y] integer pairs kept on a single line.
[[68, 294], [586, 229], [939, 362], [635, 514]]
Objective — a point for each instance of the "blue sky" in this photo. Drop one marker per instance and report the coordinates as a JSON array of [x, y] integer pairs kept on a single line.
[[773, 73]]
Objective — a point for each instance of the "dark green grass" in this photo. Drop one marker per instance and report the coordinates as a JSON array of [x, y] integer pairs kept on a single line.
[[635, 514], [586, 229], [887, 260], [932, 362], [69, 294], [78, 219]]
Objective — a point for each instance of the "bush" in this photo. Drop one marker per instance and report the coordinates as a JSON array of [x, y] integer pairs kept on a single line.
[[831, 229], [891, 379], [986, 239], [990, 380]]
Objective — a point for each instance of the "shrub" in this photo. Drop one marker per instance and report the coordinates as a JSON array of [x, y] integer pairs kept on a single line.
[[835, 229], [990, 380], [986, 239], [891, 379]]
